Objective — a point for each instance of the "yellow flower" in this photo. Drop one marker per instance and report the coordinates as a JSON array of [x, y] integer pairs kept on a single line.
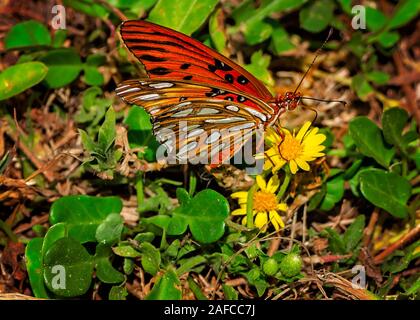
[[265, 204], [295, 149]]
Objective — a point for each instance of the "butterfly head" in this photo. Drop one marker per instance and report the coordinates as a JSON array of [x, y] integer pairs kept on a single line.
[[288, 101]]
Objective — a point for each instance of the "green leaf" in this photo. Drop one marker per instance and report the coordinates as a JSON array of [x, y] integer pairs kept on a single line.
[[388, 39], [12, 82], [335, 242], [35, 268], [109, 231], [140, 132], [90, 7], [334, 193], [378, 77], [361, 86], [68, 268], [117, 293], [280, 40], [205, 215], [386, 190], [217, 30], [27, 34], [368, 139], [346, 5], [53, 234], [188, 264], [317, 16], [393, 123], [259, 67], [229, 292], [64, 66], [92, 76], [107, 133], [405, 11], [150, 258], [185, 16], [165, 288], [375, 19], [257, 32], [126, 251], [104, 269], [354, 233], [83, 214]]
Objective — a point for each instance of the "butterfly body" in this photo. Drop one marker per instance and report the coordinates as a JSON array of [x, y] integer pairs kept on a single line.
[[195, 95]]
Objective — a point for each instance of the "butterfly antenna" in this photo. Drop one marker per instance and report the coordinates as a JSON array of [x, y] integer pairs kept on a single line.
[[318, 51], [324, 100]]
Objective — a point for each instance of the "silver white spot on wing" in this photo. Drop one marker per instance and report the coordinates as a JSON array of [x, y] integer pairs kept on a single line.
[[195, 132], [182, 113], [148, 97], [214, 136], [232, 108], [224, 120], [206, 111], [257, 114], [188, 147], [121, 92], [161, 85]]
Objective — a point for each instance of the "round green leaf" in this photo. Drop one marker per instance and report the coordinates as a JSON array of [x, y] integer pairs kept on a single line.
[[205, 215], [68, 268], [27, 34], [12, 81], [35, 268], [53, 234], [83, 214], [386, 190], [150, 258], [104, 269], [368, 139], [64, 66], [109, 231], [316, 16]]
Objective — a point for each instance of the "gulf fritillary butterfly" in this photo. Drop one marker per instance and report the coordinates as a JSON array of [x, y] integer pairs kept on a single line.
[[188, 81]]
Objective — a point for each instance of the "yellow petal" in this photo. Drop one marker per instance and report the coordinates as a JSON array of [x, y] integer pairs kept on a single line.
[[293, 166], [261, 220], [261, 183], [239, 194], [303, 130], [302, 164], [238, 212], [273, 184], [282, 206]]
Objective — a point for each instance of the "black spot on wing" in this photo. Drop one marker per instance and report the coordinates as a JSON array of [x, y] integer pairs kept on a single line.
[[242, 80], [229, 78], [160, 71], [185, 66], [241, 99], [187, 78], [148, 57]]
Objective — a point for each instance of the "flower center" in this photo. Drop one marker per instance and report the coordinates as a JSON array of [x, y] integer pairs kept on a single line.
[[264, 201], [290, 148]]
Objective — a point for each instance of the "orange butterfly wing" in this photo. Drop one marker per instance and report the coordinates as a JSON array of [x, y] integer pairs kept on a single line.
[[168, 54]]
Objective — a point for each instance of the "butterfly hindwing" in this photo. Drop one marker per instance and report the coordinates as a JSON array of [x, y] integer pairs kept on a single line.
[[191, 124]]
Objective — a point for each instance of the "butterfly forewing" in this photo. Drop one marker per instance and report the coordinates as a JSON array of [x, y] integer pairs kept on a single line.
[[168, 54]]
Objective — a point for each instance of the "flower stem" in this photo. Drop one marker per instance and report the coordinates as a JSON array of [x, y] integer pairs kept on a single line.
[[284, 185], [250, 206]]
